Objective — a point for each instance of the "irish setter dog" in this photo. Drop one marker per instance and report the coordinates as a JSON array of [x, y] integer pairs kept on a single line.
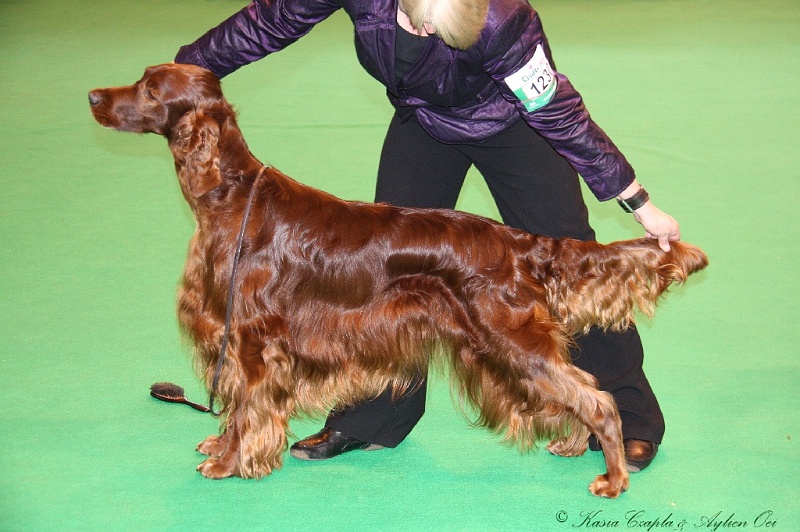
[[337, 300]]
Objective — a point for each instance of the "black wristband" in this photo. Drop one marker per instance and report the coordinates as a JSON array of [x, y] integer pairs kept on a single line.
[[635, 201]]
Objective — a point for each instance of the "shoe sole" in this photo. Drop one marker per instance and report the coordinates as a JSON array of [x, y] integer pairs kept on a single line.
[[302, 454], [632, 468]]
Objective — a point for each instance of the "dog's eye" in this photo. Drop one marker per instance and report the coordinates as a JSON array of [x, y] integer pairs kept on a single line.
[[147, 89]]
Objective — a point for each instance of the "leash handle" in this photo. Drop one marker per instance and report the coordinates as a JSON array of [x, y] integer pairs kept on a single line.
[[223, 349]]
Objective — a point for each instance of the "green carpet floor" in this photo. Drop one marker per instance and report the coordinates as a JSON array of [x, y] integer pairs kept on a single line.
[[701, 95]]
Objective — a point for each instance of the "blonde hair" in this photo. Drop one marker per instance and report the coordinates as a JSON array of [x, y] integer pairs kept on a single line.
[[457, 22]]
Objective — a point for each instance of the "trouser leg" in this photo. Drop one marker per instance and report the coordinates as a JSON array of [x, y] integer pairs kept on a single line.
[[615, 360]]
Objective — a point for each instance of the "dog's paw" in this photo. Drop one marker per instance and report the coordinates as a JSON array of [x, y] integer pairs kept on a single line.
[[214, 468], [213, 446], [568, 446], [603, 486]]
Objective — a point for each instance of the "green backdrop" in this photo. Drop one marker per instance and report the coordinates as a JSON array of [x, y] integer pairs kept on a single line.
[[701, 95]]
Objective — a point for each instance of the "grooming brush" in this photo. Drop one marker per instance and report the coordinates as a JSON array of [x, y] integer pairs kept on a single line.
[[172, 393]]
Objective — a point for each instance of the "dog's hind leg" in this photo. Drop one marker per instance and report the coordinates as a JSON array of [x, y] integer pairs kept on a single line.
[[527, 386], [574, 389], [574, 443]]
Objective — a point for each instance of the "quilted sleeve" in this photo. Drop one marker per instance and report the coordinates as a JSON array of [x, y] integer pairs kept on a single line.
[[519, 60], [261, 28]]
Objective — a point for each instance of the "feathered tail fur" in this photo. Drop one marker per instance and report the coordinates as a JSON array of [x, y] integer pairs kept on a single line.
[[590, 284]]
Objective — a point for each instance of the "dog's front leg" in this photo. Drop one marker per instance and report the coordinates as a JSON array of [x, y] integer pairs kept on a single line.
[[223, 454], [254, 440], [214, 446]]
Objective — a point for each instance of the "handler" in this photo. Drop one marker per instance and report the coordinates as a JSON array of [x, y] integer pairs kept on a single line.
[[472, 82]]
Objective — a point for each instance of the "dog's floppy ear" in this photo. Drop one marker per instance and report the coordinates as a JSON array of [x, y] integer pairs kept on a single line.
[[195, 145]]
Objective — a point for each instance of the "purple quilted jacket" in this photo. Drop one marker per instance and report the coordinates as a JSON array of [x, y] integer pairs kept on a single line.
[[459, 96]]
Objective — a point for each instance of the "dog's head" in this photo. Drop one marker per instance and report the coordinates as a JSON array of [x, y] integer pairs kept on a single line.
[[185, 104], [156, 102]]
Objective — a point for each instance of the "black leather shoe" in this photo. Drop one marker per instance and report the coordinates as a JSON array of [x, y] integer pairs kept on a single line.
[[639, 454], [328, 443]]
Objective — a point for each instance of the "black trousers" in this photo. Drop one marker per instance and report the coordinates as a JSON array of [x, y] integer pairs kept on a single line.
[[536, 190]]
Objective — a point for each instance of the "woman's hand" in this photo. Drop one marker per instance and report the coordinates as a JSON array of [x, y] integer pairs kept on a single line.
[[658, 224]]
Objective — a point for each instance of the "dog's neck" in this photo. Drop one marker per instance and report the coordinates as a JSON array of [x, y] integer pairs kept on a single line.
[[235, 158], [217, 160]]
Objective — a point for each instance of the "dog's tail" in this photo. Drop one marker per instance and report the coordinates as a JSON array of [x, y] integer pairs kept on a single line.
[[591, 284]]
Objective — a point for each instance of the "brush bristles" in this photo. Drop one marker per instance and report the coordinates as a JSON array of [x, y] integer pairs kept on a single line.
[[167, 391]]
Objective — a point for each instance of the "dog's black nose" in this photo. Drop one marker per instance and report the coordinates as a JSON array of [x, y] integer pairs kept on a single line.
[[94, 97]]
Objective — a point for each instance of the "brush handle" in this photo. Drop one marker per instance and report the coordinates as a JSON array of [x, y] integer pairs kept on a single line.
[[181, 399], [201, 408]]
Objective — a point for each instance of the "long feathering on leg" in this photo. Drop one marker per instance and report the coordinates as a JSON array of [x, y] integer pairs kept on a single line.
[[497, 384], [525, 387]]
